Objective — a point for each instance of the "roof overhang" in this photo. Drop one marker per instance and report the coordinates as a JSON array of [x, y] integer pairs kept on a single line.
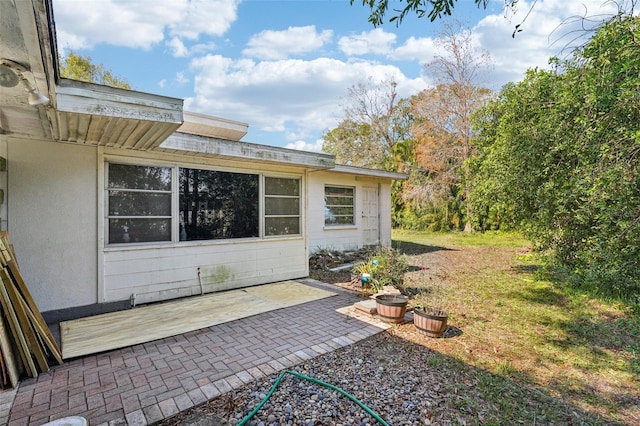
[[92, 114], [215, 127], [201, 146], [371, 173]]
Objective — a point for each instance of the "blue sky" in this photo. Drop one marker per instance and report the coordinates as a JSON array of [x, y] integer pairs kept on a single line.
[[285, 67]]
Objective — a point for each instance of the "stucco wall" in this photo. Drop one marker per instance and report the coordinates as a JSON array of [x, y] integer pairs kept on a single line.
[[52, 220]]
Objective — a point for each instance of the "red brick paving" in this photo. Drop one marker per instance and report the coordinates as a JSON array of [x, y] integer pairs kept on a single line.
[[146, 383]]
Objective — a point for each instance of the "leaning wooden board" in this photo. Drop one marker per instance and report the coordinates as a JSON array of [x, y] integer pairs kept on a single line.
[[26, 343]]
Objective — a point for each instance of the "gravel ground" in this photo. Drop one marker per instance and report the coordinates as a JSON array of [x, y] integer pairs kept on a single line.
[[402, 382]]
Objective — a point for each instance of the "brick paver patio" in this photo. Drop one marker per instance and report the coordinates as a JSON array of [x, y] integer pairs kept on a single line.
[[143, 384]]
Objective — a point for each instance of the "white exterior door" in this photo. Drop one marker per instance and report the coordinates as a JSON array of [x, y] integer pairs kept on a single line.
[[370, 221]]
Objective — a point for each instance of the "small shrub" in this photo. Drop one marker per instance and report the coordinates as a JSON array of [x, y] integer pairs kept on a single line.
[[386, 266]]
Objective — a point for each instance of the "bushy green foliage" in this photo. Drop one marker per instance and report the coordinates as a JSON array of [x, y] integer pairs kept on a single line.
[[386, 266], [81, 68], [559, 159]]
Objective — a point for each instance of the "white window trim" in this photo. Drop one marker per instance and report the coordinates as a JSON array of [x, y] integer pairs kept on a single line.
[[329, 226], [103, 182]]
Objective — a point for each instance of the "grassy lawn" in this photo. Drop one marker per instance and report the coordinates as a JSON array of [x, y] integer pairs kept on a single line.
[[507, 319]]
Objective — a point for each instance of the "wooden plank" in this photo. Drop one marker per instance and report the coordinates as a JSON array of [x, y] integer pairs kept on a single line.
[[48, 343], [14, 326], [25, 324], [14, 271], [146, 323], [10, 365]]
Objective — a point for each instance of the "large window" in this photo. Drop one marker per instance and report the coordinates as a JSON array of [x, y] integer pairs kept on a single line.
[[281, 206], [210, 204], [139, 204], [217, 205], [339, 205]]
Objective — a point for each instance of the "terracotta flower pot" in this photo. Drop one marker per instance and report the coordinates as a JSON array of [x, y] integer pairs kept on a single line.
[[430, 321], [391, 307]]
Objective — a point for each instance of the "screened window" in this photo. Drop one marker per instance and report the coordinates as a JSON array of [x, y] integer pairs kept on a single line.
[[139, 203], [281, 206], [218, 205], [339, 205]]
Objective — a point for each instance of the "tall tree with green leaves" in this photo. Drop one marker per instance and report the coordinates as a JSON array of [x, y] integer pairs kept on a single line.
[[81, 68], [442, 127], [375, 120], [560, 158]]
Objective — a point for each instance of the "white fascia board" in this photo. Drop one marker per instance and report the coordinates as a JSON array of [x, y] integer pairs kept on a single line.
[[213, 147], [215, 127], [94, 99], [360, 171]]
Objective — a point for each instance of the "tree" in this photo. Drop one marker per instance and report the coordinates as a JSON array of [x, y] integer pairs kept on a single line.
[[559, 156], [433, 9], [375, 121], [442, 130], [77, 67]]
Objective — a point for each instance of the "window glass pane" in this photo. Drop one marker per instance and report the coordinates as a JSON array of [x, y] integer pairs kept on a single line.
[[139, 230], [341, 211], [338, 206], [334, 190], [338, 201], [339, 220], [282, 225], [139, 177], [281, 186], [218, 205], [282, 206], [125, 203]]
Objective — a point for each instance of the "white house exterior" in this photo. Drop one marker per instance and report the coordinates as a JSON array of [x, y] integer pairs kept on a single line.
[[115, 197]]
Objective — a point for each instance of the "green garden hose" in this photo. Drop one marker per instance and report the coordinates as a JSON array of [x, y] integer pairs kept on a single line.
[[316, 381]]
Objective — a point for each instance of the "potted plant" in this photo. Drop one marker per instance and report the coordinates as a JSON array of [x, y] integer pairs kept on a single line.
[[430, 313]]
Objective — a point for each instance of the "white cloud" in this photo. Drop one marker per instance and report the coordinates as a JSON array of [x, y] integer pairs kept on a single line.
[[296, 96], [552, 28], [306, 146], [212, 17], [414, 49], [138, 24], [376, 41], [181, 78], [177, 47], [269, 45]]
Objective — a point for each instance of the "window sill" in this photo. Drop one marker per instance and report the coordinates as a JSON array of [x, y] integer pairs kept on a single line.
[[338, 227], [197, 243]]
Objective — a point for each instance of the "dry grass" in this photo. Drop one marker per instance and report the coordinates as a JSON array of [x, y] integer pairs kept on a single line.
[[506, 320]]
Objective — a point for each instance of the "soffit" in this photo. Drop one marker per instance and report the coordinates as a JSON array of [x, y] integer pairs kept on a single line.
[[22, 24], [91, 114]]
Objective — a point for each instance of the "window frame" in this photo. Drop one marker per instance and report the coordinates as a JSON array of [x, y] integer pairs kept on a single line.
[[108, 159], [353, 206], [264, 196], [107, 204]]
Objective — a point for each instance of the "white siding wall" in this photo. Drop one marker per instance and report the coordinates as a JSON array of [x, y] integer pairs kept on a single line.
[[55, 198], [52, 220], [169, 272], [345, 237]]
